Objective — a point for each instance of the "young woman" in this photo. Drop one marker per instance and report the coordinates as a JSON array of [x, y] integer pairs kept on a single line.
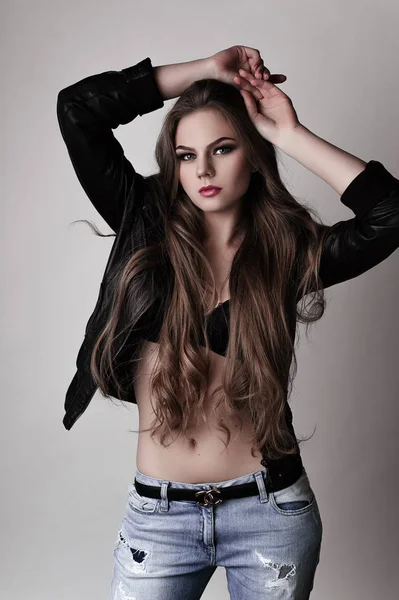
[[197, 314]]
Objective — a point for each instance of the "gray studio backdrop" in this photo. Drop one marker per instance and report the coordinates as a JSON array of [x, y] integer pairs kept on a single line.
[[64, 492]]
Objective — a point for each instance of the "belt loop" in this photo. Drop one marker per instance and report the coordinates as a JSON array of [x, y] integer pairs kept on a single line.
[[164, 505], [260, 480]]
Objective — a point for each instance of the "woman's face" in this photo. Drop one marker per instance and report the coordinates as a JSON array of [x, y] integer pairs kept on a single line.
[[203, 163]]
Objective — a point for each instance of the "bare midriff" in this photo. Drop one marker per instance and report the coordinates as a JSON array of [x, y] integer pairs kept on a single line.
[[202, 457]]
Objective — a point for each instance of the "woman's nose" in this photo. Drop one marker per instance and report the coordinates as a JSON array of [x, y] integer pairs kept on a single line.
[[204, 169]]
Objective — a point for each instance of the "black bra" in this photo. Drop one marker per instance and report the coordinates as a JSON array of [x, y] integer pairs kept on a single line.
[[217, 330]]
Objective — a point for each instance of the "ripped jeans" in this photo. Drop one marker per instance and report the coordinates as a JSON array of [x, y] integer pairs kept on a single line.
[[268, 543]]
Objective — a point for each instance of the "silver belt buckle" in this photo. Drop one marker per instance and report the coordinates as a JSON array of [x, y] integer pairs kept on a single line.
[[208, 499]]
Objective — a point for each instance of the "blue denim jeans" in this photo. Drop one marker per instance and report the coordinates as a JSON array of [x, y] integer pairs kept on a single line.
[[268, 543]]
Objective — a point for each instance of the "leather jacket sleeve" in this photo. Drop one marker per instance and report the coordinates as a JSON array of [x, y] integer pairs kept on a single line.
[[87, 112], [356, 245]]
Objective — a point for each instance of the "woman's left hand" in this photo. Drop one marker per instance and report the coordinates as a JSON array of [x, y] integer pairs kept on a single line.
[[270, 110]]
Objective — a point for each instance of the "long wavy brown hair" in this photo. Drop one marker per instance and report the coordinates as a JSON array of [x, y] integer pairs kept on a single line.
[[275, 266]]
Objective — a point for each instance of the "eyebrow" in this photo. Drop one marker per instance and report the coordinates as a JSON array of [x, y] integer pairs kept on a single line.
[[209, 145]]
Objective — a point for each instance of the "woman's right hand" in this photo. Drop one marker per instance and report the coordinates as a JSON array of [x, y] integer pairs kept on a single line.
[[226, 64]]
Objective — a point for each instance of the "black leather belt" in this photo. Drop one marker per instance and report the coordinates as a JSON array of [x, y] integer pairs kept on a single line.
[[280, 474]]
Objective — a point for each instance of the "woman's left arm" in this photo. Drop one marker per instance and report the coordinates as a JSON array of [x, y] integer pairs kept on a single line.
[[356, 245], [350, 247], [336, 167], [353, 246], [274, 116]]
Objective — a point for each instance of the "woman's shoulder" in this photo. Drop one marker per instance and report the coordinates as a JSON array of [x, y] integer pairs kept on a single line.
[[154, 200]]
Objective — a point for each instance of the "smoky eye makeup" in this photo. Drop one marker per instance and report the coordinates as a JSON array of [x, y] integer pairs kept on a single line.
[[183, 154]]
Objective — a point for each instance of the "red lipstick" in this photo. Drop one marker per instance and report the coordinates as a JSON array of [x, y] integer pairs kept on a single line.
[[209, 190]]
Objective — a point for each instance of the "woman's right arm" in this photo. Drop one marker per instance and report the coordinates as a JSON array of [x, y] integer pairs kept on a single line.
[[88, 110]]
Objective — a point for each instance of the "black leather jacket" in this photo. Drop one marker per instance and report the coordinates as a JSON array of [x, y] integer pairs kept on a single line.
[[90, 109]]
